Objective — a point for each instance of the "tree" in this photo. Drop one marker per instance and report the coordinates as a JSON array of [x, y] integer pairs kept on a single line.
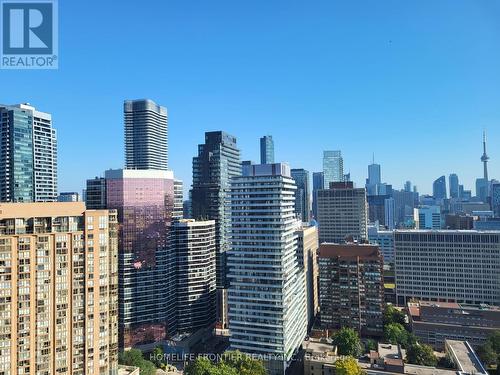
[[348, 366], [395, 333], [393, 315], [232, 363], [347, 342], [489, 352], [157, 356], [133, 357], [421, 354], [370, 344], [243, 363], [488, 356]]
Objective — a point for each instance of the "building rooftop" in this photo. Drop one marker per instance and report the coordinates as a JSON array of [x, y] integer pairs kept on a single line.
[[464, 357], [414, 307], [390, 351], [331, 250], [128, 370], [40, 209]]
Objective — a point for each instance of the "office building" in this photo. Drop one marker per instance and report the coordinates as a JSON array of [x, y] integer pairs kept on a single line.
[[447, 266], [58, 289], [351, 290], [459, 222], [178, 212], [385, 241], [374, 180], [482, 189], [376, 208], [454, 186], [68, 197], [389, 207], [407, 187], [146, 135], [28, 156], [404, 203], [267, 307], [427, 217], [307, 257], [439, 188], [194, 246], [333, 167], [302, 194], [218, 161], [95, 196], [342, 213], [495, 198], [144, 200], [266, 150], [318, 184], [434, 322]]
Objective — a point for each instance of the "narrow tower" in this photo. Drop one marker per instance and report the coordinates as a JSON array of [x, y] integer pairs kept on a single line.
[[485, 157]]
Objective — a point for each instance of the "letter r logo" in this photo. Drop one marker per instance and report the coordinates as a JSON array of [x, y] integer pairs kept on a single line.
[[27, 28]]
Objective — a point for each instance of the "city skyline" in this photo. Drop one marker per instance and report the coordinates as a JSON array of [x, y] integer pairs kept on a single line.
[[419, 72]]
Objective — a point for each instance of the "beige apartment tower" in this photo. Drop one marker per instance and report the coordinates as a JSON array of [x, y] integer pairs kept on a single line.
[[342, 213], [58, 289], [307, 250]]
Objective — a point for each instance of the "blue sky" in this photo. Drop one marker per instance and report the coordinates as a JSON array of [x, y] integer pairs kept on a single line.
[[415, 82]]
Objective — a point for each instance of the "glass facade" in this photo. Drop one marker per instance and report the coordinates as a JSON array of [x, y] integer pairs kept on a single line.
[[144, 200], [28, 155]]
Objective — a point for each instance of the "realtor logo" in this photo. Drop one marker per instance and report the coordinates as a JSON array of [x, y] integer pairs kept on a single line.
[[29, 34]]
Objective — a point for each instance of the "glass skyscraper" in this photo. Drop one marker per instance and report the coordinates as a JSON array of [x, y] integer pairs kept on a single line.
[[318, 184], [28, 155], [266, 150], [333, 167], [146, 135], [217, 162], [144, 200], [302, 195], [439, 188]]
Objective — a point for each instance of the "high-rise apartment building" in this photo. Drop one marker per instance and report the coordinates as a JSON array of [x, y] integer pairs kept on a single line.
[[217, 162], [307, 248], [194, 246], [144, 200], [351, 290], [333, 167], [58, 289], [95, 195], [266, 150], [447, 266], [146, 135], [302, 194], [267, 308], [439, 188], [342, 213], [454, 186], [28, 155], [318, 184]]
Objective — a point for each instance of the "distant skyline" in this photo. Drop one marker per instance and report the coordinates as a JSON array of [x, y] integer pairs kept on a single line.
[[413, 82]]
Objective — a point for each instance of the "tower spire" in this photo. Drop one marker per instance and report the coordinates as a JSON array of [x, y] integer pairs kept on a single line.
[[485, 157]]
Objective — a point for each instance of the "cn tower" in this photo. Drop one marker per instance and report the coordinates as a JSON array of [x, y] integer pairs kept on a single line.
[[485, 157]]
